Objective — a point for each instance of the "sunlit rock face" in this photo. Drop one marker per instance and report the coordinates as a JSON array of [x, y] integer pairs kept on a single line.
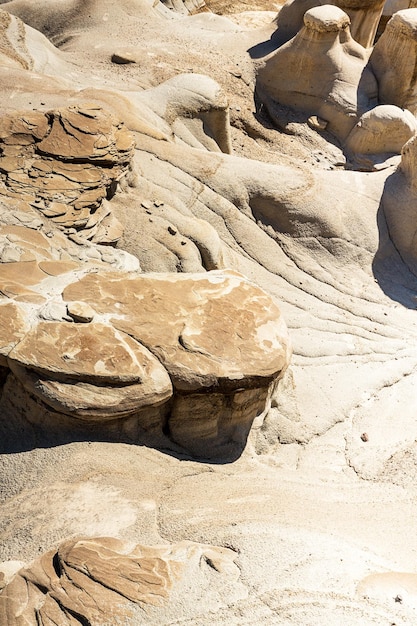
[[105, 581], [399, 203], [364, 18], [191, 356], [394, 61], [66, 162], [384, 129], [321, 71]]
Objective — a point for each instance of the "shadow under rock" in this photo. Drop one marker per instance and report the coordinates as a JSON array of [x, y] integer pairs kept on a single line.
[[18, 434], [393, 276], [280, 118], [262, 49]]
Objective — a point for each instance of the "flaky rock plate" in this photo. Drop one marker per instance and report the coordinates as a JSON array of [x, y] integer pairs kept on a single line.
[[216, 330], [100, 580]]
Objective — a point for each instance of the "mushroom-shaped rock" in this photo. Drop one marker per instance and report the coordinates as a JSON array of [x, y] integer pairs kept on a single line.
[[221, 339], [321, 71], [399, 202], [89, 580], [364, 16], [384, 129], [394, 61]]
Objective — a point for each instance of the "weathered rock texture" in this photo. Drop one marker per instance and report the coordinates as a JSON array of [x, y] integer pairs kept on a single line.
[[324, 493], [103, 581], [394, 61], [364, 18], [322, 71], [66, 162], [218, 338]]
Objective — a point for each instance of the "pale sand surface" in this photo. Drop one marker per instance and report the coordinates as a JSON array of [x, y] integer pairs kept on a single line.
[[309, 507]]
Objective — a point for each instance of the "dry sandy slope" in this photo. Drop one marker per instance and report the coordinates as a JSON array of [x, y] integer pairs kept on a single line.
[[309, 507]]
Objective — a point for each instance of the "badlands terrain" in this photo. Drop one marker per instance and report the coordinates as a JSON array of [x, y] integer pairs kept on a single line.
[[208, 309]]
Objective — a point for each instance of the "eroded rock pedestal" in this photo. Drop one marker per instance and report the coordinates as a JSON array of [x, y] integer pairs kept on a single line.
[[321, 71], [394, 61], [364, 16], [191, 356]]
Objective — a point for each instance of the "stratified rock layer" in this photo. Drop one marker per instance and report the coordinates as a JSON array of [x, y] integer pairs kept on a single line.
[[105, 582], [66, 162]]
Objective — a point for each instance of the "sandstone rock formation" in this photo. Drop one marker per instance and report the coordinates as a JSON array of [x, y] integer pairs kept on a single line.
[[322, 48], [66, 162], [106, 581], [211, 363], [384, 129], [120, 362], [364, 18], [396, 79], [345, 103]]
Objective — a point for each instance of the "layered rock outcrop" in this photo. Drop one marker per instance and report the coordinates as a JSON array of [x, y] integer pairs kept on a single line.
[[66, 163], [105, 581]]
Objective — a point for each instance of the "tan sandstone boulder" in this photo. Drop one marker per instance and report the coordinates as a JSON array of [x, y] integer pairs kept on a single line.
[[191, 356], [221, 339]]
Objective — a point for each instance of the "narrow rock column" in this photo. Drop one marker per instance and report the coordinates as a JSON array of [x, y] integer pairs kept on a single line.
[[394, 61], [399, 202], [364, 17]]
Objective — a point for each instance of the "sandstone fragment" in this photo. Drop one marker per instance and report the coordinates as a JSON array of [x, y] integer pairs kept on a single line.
[[80, 312], [98, 578]]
